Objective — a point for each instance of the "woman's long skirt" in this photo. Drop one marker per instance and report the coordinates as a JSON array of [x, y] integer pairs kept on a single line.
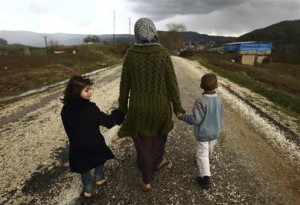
[[150, 152]]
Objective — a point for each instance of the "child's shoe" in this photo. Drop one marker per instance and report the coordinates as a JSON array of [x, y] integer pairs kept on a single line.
[[204, 182], [101, 182]]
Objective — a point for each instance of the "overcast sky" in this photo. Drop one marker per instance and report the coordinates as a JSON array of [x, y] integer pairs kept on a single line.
[[213, 17]]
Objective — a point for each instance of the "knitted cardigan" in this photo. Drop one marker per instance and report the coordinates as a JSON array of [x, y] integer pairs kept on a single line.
[[149, 83]]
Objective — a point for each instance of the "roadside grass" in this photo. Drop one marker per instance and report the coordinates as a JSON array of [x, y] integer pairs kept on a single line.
[[20, 73], [278, 82]]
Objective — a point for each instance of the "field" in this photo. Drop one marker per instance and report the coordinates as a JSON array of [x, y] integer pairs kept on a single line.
[[278, 79], [20, 73]]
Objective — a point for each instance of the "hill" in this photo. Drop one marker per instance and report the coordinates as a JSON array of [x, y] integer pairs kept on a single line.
[[38, 39], [204, 38], [284, 36]]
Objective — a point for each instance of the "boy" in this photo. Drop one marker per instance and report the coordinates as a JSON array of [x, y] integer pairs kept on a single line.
[[207, 119]]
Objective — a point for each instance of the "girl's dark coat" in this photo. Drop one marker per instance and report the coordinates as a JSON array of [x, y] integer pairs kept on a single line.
[[81, 119]]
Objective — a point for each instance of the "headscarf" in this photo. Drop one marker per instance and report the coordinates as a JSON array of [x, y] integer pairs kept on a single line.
[[145, 32]]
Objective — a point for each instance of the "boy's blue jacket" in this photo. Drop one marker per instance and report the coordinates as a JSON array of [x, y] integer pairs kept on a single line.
[[207, 117]]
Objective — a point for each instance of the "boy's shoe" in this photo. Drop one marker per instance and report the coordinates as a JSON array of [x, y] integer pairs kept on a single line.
[[204, 182], [101, 182], [200, 181], [87, 195]]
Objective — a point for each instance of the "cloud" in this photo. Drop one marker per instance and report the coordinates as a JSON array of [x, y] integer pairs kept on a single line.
[[37, 8], [160, 10], [218, 17], [214, 17]]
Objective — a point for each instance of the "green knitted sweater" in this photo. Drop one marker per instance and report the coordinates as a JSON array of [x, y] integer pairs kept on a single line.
[[149, 83]]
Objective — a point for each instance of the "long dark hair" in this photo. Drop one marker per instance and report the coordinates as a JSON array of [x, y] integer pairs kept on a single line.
[[74, 87]]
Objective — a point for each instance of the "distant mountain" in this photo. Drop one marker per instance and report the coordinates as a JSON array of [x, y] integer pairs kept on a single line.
[[191, 36], [285, 36], [194, 37], [38, 39]]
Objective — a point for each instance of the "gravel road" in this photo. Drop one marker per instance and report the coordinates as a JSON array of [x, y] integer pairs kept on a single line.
[[255, 162]]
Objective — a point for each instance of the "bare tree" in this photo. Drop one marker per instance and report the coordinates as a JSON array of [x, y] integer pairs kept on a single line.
[[176, 27], [173, 39], [54, 44], [91, 39]]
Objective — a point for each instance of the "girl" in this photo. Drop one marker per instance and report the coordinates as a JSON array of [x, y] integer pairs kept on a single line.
[[81, 119]]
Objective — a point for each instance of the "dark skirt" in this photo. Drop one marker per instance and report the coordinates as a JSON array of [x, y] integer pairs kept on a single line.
[[150, 152]]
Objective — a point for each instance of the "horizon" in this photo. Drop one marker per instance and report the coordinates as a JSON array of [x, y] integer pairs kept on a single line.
[[105, 33], [18, 30]]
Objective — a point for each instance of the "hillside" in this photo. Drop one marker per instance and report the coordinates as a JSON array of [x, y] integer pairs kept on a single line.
[[191, 36], [38, 39], [284, 36], [203, 38]]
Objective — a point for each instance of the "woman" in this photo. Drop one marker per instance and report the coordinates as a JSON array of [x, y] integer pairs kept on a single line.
[[149, 83]]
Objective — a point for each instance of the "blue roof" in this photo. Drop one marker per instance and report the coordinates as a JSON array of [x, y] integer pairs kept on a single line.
[[248, 46]]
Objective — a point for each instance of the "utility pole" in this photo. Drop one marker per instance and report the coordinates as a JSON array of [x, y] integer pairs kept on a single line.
[[129, 33], [114, 35], [45, 37]]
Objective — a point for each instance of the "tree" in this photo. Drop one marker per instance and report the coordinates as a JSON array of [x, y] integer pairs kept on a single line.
[[3, 42], [176, 27], [54, 44], [91, 39], [173, 39]]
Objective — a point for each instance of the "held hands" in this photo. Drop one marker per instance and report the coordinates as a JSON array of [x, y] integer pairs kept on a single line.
[[118, 116], [179, 115]]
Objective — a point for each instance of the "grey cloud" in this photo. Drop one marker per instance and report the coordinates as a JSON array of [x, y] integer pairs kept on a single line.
[[37, 8], [267, 4], [222, 17], [160, 10]]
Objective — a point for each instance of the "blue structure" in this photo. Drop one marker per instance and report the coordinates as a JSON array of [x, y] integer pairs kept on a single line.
[[251, 47]]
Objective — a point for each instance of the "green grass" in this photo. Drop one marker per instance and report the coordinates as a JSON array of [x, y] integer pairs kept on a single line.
[[279, 97]]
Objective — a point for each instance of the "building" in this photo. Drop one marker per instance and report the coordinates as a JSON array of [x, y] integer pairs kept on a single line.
[[252, 52], [250, 47]]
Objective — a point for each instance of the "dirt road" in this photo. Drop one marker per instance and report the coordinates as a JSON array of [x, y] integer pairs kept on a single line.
[[254, 162]]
